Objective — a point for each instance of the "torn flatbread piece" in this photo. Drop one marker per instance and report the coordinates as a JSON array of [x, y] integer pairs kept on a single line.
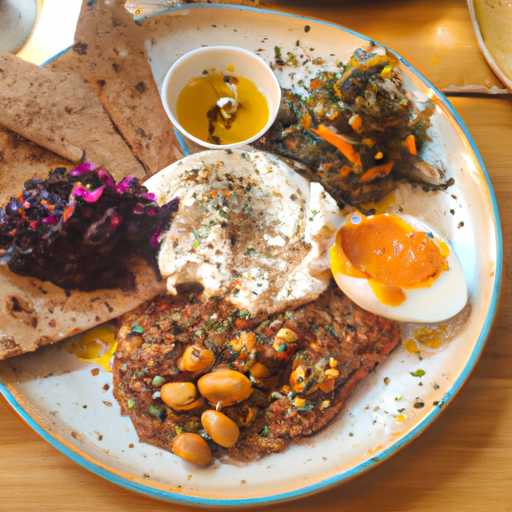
[[60, 112], [109, 51], [21, 160], [33, 313]]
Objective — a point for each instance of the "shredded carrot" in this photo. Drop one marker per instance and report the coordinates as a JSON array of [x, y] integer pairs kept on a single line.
[[378, 171], [336, 86], [411, 144], [68, 211], [291, 143], [356, 122], [305, 122], [339, 142], [315, 84], [327, 385], [345, 171]]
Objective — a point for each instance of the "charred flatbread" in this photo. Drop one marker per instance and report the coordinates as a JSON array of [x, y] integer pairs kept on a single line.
[[109, 51], [60, 112], [33, 313]]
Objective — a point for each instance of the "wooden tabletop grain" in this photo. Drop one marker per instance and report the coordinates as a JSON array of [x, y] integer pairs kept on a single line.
[[461, 463]]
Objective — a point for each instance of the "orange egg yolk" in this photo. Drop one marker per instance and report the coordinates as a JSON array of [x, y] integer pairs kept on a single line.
[[96, 346], [389, 253]]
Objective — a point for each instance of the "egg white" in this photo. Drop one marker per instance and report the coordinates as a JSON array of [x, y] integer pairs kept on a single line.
[[446, 297], [294, 212]]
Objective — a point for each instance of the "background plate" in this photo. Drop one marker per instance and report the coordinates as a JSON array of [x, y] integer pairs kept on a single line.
[[492, 22], [70, 403]]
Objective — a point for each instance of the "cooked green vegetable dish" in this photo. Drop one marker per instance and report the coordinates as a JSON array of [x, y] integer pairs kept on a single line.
[[357, 130]]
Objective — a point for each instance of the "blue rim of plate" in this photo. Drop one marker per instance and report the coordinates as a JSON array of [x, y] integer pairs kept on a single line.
[[385, 454]]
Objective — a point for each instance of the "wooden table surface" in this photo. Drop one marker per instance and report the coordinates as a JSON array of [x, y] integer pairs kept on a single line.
[[464, 461]]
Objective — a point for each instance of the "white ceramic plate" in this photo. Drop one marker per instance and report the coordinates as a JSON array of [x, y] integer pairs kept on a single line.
[[73, 409]]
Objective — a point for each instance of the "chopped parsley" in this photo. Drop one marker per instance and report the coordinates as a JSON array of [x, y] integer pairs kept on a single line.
[[292, 60], [314, 213], [265, 431]]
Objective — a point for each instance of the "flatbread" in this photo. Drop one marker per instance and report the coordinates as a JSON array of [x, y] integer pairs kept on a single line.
[[33, 313], [109, 51], [21, 160], [60, 112]]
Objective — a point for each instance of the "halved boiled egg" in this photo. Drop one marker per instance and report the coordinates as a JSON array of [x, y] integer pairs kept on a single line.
[[398, 268]]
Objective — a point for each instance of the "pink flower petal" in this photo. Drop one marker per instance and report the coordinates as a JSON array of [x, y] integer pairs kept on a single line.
[[52, 219], [82, 168], [88, 196], [106, 178]]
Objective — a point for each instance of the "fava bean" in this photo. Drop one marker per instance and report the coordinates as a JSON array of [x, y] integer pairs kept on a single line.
[[222, 430], [243, 415], [178, 395], [192, 448], [196, 404], [259, 371], [223, 388], [196, 360]]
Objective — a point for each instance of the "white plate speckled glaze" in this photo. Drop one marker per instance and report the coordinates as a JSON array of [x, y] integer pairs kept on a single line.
[[73, 409]]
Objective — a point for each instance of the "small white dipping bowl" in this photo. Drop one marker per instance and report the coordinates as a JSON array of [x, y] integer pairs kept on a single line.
[[231, 61]]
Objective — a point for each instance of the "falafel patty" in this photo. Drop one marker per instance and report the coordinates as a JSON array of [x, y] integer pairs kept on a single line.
[[302, 364]]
